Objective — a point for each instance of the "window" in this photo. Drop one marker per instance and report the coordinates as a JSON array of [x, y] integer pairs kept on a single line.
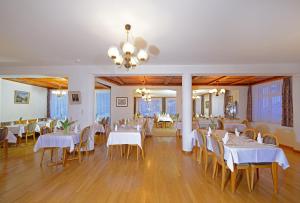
[[149, 108], [267, 101], [58, 106], [171, 106], [102, 103]]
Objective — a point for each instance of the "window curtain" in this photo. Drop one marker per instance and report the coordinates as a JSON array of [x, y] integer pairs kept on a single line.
[[102, 103], [58, 106], [149, 108], [249, 104], [267, 102], [163, 100], [226, 101], [287, 103], [202, 105], [171, 106], [48, 102], [210, 104]]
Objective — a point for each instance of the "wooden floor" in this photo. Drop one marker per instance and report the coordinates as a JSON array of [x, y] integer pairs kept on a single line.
[[166, 175]]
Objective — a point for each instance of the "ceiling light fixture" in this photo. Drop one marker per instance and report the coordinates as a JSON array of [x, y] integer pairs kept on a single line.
[[145, 93], [130, 56], [217, 91]]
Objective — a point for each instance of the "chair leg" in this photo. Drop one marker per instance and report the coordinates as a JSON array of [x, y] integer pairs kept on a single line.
[[200, 155], [205, 162], [215, 163], [79, 155], [257, 173], [223, 178], [143, 154], [137, 152], [26, 138], [51, 155], [233, 179], [248, 178], [33, 138], [42, 158]]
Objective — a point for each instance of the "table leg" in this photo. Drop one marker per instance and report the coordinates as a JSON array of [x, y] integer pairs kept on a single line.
[[233, 179], [275, 176]]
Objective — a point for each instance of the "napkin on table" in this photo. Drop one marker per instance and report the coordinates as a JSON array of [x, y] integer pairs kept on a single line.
[[259, 138], [237, 133], [225, 138], [209, 131]]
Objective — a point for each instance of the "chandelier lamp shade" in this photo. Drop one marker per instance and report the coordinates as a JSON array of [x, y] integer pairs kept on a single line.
[[217, 91], [129, 56], [145, 93]]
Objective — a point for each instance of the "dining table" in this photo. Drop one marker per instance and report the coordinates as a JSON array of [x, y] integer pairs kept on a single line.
[[125, 135], [241, 149], [58, 140]]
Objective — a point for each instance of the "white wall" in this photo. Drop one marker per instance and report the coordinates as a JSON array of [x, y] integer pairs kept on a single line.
[[37, 107], [217, 104]]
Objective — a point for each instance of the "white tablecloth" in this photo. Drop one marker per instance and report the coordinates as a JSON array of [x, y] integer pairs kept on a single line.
[[125, 136], [240, 150], [57, 139]]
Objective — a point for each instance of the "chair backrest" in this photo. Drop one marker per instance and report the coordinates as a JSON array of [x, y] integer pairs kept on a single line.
[[31, 127], [45, 130], [200, 137], [4, 124], [250, 133], [215, 146], [220, 124], [53, 123], [32, 121], [246, 122], [84, 135], [270, 139], [3, 133]]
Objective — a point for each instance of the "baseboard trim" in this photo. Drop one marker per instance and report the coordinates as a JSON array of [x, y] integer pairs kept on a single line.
[[290, 148]]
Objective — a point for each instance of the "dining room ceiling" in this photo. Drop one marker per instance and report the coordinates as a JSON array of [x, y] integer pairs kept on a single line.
[[197, 80], [68, 32], [50, 82]]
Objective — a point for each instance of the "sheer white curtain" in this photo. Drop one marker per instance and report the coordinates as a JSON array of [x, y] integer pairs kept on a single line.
[[58, 106], [217, 105], [267, 102], [102, 103], [171, 106], [149, 108]]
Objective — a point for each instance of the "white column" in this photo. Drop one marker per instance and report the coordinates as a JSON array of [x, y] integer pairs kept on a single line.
[[187, 112], [83, 113], [296, 109]]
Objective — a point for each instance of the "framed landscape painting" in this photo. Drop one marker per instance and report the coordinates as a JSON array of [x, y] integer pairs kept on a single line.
[[22, 97], [121, 101]]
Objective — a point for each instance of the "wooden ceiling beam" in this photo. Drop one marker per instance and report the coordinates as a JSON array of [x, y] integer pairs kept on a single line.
[[119, 80], [242, 80], [217, 79], [108, 79], [269, 79], [168, 80]]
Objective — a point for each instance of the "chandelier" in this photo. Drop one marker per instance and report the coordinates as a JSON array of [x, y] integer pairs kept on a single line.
[[217, 91], [145, 93], [130, 56], [195, 97], [59, 92]]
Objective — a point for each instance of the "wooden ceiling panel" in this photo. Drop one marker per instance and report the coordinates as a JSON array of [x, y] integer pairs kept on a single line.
[[197, 80], [50, 83]]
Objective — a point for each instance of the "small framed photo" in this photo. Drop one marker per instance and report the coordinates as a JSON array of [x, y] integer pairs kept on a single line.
[[121, 101], [22, 97], [74, 97]]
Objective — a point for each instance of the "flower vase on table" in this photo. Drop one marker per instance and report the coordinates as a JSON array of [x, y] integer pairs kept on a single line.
[[66, 130], [66, 124]]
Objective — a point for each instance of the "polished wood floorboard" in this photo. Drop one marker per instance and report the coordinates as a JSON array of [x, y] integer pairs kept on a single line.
[[166, 175]]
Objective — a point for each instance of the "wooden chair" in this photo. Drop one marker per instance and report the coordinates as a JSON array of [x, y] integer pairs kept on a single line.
[[250, 133], [246, 122], [3, 140], [46, 130], [30, 131], [218, 159], [53, 124], [203, 151], [267, 139], [220, 124], [83, 144]]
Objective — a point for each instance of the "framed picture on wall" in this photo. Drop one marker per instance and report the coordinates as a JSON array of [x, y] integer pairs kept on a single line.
[[121, 101], [74, 97], [22, 97]]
